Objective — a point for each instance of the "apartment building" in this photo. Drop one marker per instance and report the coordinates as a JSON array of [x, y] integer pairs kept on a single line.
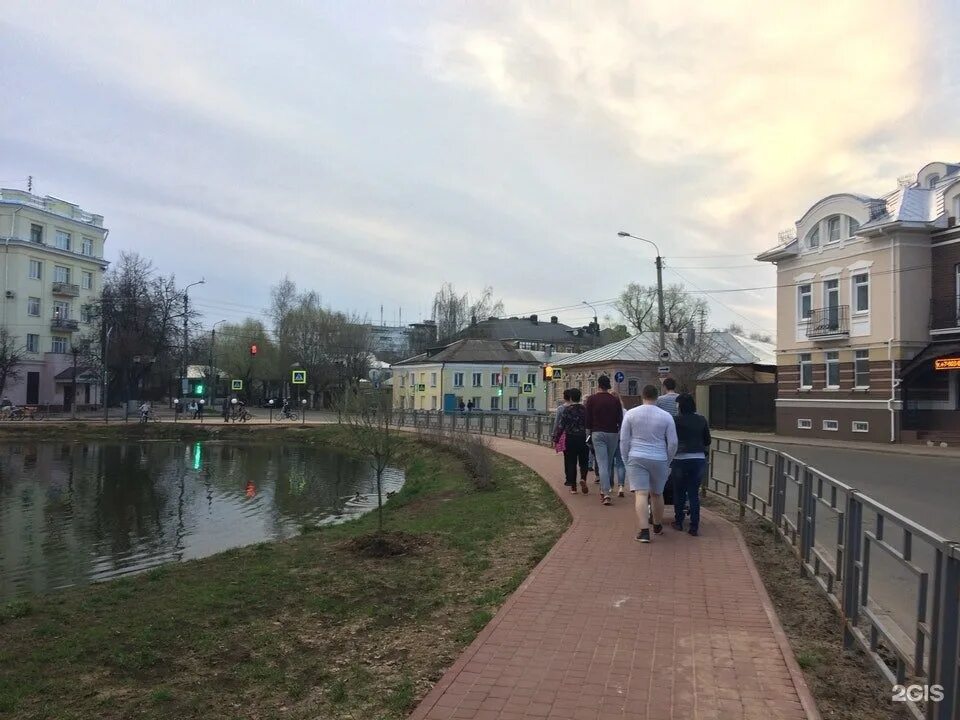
[[52, 273], [860, 312]]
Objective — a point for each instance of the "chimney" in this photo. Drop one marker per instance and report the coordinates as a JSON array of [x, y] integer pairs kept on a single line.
[[554, 320], [473, 319], [533, 319]]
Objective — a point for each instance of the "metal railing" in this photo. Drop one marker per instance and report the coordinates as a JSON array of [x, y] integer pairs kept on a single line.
[[833, 321], [65, 288], [895, 583]]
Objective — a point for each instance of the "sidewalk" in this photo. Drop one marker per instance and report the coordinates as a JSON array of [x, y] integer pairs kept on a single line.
[[892, 448], [607, 628]]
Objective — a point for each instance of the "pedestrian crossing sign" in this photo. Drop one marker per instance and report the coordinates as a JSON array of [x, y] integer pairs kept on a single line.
[[299, 377], [527, 388], [236, 384]]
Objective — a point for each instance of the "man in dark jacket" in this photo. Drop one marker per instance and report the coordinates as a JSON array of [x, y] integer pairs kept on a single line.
[[693, 443]]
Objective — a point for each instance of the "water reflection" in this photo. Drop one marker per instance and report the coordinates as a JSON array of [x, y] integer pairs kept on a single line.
[[71, 513]]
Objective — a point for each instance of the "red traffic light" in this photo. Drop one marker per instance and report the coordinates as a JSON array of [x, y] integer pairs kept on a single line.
[[253, 349]]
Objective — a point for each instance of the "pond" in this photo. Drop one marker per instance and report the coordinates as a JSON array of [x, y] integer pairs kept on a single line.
[[72, 513]]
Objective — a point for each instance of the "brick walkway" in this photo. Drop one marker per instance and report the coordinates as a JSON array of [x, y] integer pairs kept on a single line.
[[604, 627]]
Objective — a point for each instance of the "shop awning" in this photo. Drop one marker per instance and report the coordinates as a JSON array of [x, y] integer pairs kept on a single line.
[[929, 354]]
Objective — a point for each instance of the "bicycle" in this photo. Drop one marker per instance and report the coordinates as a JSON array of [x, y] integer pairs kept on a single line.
[[240, 415], [288, 414]]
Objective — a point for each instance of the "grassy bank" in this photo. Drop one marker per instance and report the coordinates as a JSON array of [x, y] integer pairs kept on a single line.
[[306, 628]]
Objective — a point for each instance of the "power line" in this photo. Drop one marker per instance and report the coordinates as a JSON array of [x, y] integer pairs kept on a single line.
[[721, 304]]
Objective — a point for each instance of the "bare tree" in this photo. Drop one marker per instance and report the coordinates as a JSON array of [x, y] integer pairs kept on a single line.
[[11, 356], [691, 355], [638, 306], [761, 337], [734, 328], [374, 435], [453, 312]]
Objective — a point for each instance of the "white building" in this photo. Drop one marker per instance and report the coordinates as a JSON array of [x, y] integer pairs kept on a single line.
[[52, 273]]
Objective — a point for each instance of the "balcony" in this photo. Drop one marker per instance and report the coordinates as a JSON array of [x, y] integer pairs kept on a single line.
[[64, 289], [945, 315], [829, 323], [61, 325]]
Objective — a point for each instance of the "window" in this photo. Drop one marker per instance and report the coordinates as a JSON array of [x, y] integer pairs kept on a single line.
[[531, 378], [36, 233], [860, 426], [861, 369], [804, 424], [433, 379], [806, 371], [62, 240], [514, 379], [477, 379], [831, 302], [514, 402], [833, 368], [831, 425], [861, 292], [813, 238], [86, 313], [61, 310], [403, 381], [423, 378], [61, 274], [433, 402], [531, 404], [86, 280], [805, 301], [494, 379], [413, 379], [932, 181], [58, 345], [633, 386], [33, 306], [33, 343], [458, 380], [86, 247], [592, 385], [403, 402], [476, 402], [36, 270], [833, 229], [494, 404], [852, 226]]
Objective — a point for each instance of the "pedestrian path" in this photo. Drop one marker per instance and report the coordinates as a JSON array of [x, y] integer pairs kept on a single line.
[[605, 627]]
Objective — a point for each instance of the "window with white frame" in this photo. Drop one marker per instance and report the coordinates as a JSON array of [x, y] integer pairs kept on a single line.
[[58, 345], [513, 379], [514, 402], [806, 370], [956, 207], [494, 379], [36, 233], [531, 378], [33, 343], [805, 301], [531, 404], [852, 226], [433, 379], [86, 247], [832, 360], [86, 280], [433, 402], [477, 379], [86, 313], [403, 380], [476, 402], [861, 292], [494, 404], [861, 369], [833, 229], [813, 238], [62, 240], [932, 181], [61, 274], [61, 310], [36, 270], [860, 426], [804, 423], [458, 379], [831, 425], [33, 306]]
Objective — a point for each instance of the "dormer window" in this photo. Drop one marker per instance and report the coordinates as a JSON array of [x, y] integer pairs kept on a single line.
[[813, 238], [833, 229], [852, 226], [932, 181]]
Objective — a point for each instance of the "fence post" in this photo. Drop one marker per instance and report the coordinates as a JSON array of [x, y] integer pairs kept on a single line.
[[510, 426], [779, 483], [496, 424], [539, 430], [523, 427], [743, 481], [944, 640], [807, 528], [850, 602]]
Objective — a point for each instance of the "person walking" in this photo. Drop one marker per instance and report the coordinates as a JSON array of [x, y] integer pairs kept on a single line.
[[226, 409], [604, 416], [648, 442], [560, 406], [573, 426], [668, 401], [693, 441]]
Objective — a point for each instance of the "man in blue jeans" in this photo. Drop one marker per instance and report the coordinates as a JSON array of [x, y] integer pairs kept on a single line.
[[693, 440], [604, 415]]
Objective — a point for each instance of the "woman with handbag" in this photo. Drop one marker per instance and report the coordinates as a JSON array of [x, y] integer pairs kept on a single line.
[[571, 431]]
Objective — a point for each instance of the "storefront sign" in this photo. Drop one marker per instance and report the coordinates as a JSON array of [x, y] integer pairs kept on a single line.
[[947, 363]]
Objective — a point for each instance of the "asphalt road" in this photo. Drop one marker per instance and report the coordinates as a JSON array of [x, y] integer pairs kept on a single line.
[[924, 489]]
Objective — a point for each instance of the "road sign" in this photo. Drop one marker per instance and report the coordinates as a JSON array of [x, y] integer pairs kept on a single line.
[[557, 373], [618, 376], [298, 377], [527, 388], [663, 370], [664, 355], [236, 384]]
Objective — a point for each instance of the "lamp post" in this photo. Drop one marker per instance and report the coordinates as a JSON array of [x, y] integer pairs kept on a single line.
[[303, 411], [75, 351], [595, 323], [176, 409], [213, 337], [661, 321], [183, 353], [103, 387]]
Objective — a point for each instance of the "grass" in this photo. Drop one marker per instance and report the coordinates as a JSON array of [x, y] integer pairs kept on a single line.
[[299, 629]]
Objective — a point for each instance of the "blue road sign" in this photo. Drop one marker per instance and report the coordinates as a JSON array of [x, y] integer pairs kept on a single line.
[[618, 376]]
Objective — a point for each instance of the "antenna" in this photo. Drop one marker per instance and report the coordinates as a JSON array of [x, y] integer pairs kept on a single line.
[[29, 183], [381, 314]]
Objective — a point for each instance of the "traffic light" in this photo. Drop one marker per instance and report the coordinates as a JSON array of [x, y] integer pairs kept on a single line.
[[548, 372], [253, 350], [198, 390], [499, 391]]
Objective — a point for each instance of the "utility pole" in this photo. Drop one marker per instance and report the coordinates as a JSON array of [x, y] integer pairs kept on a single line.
[[661, 319], [183, 353], [212, 376], [596, 325]]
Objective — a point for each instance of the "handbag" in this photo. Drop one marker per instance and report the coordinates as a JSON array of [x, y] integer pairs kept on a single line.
[[561, 444]]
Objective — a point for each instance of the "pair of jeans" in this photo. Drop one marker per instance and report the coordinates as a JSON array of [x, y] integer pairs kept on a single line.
[[576, 452], [606, 446], [687, 475]]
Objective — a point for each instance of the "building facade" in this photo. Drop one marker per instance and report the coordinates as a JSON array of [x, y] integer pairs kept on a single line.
[[530, 333], [855, 289], [52, 274], [493, 375]]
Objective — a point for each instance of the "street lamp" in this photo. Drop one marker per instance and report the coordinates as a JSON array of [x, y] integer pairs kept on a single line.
[[595, 323], [661, 321], [183, 353], [303, 411], [213, 377]]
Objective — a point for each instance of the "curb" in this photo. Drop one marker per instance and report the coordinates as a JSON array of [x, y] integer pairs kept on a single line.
[[796, 674]]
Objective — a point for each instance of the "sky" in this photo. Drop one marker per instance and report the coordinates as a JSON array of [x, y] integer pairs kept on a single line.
[[375, 150]]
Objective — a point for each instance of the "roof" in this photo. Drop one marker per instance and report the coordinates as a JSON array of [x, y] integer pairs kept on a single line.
[[470, 350], [531, 329], [82, 372], [199, 372], [644, 348]]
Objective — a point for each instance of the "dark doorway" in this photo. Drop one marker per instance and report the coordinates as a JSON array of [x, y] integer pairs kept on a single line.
[[33, 388], [86, 394], [67, 397]]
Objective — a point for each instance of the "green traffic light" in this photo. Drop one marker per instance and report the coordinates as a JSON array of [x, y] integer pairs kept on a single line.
[[198, 390]]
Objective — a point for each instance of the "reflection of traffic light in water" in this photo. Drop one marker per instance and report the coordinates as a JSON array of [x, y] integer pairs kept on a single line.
[[197, 456], [251, 489]]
